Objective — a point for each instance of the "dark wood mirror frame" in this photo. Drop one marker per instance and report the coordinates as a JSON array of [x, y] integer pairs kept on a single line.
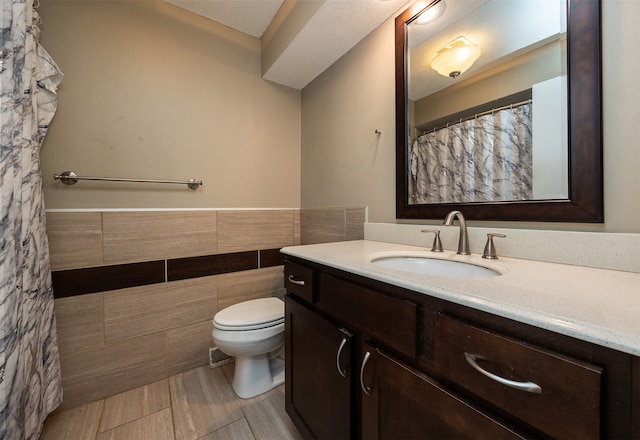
[[585, 203]]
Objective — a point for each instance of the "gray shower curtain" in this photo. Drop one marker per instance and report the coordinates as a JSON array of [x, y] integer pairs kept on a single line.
[[486, 158], [30, 381]]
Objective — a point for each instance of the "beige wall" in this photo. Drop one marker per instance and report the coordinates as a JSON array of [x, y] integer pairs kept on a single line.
[[343, 163], [151, 91]]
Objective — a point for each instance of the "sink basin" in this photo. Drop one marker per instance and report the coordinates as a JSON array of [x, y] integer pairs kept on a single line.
[[435, 266]]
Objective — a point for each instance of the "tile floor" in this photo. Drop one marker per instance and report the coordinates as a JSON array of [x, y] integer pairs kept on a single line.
[[196, 405]]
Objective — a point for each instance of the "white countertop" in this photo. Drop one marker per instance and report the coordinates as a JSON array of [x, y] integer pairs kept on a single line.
[[595, 305]]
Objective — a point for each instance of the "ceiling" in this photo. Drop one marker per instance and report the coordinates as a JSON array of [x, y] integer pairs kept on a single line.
[[251, 17], [334, 28]]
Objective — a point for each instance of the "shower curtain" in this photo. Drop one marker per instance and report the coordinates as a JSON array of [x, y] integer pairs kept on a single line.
[[30, 381], [486, 158]]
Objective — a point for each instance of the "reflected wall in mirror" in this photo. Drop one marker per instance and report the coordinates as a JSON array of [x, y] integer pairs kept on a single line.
[[514, 133]]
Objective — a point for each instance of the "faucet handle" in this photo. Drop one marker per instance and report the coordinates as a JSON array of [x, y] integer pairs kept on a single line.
[[437, 244], [489, 249]]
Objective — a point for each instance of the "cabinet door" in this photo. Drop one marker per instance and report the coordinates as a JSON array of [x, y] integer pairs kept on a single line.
[[318, 373], [549, 391], [399, 402]]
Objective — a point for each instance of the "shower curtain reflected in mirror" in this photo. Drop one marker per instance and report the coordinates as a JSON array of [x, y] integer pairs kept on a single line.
[[485, 158], [30, 381]]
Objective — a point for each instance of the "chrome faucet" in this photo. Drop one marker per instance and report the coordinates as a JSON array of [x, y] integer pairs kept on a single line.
[[463, 240]]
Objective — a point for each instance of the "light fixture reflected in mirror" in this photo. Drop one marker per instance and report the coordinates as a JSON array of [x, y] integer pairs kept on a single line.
[[455, 58], [431, 14]]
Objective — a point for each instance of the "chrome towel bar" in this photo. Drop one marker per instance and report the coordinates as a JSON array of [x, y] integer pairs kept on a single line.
[[70, 178]]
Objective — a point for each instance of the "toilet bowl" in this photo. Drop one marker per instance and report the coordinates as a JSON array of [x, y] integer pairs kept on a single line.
[[253, 332]]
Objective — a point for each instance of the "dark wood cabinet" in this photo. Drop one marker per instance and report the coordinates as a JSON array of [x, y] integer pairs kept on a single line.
[[318, 376], [531, 383], [369, 360], [402, 403]]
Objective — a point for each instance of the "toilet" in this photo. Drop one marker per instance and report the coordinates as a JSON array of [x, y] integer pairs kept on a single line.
[[253, 332]]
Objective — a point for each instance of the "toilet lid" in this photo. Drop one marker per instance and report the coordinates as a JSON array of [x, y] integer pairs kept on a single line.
[[261, 312]]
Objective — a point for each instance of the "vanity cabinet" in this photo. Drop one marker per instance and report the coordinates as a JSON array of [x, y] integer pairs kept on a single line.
[[400, 402], [318, 373], [365, 359], [535, 385]]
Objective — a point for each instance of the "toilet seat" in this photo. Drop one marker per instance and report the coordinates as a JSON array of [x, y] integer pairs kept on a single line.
[[250, 315], [240, 328]]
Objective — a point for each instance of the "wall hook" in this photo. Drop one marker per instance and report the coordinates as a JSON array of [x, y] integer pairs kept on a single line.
[[378, 132]]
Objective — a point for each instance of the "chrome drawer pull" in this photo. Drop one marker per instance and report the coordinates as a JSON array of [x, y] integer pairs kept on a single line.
[[342, 372], [529, 387], [365, 389], [294, 281]]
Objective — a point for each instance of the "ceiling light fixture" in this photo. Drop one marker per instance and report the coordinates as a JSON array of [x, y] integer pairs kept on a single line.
[[455, 58], [431, 14]]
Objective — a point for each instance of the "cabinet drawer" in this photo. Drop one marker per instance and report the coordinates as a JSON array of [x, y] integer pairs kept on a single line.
[[550, 392], [391, 321], [300, 281], [403, 403]]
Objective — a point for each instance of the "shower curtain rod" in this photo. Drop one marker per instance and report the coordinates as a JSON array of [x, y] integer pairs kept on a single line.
[[497, 109], [70, 178], [475, 115]]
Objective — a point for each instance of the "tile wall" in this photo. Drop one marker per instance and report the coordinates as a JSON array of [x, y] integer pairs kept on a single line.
[[332, 224], [136, 290]]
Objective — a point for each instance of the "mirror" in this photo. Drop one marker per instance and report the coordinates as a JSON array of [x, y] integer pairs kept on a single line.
[[516, 133]]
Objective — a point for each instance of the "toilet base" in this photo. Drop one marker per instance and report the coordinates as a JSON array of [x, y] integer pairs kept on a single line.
[[254, 375]]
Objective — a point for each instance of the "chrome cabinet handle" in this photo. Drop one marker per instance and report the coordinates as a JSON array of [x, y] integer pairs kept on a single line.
[[343, 372], [294, 281], [529, 387], [365, 389]]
